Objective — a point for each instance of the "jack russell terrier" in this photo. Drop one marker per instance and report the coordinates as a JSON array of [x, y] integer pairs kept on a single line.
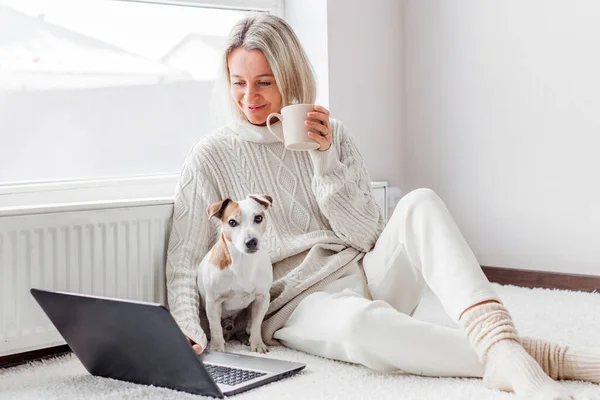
[[237, 271]]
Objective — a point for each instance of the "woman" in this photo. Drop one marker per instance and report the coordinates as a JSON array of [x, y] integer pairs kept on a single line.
[[344, 287]]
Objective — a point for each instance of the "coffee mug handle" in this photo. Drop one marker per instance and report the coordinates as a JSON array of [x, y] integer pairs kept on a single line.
[[278, 116]]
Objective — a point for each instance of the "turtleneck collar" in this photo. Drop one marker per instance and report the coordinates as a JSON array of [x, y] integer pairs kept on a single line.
[[255, 133]]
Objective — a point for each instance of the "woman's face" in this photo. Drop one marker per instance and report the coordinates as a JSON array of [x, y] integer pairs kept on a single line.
[[252, 85]]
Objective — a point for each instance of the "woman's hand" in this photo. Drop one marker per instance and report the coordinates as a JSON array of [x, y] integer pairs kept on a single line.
[[320, 130], [197, 348]]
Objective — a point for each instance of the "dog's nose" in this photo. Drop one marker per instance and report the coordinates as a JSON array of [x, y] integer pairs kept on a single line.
[[251, 244]]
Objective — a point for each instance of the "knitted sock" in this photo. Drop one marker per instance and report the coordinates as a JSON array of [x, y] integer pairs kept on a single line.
[[491, 331], [564, 362]]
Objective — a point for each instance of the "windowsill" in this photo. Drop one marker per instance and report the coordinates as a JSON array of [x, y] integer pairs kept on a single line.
[[93, 191], [83, 206], [36, 198]]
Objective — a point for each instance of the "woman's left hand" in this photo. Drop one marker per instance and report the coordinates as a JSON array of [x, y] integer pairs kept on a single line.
[[320, 128]]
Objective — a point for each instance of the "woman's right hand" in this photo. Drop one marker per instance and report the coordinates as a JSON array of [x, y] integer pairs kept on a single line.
[[197, 348]]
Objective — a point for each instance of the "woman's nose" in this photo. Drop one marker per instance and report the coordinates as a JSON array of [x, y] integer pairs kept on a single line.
[[250, 93]]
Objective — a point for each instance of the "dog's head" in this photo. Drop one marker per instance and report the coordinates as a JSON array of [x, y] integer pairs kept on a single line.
[[242, 223]]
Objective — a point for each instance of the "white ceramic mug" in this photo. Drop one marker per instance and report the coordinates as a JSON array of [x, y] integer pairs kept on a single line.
[[295, 132]]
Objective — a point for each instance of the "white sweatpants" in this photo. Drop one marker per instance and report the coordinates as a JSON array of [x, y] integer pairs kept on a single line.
[[368, 321]]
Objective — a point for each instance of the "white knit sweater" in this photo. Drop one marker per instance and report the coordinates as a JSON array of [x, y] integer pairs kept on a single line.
[[324, 217]]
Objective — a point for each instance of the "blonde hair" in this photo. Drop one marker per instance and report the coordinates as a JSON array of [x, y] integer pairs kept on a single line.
[[294, 74]]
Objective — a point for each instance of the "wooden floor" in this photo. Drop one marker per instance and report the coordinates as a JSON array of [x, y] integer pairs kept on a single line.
[[21, 358], [549, 280]]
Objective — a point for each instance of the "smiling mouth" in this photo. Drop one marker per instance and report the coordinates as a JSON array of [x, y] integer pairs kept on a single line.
[[255, 108]]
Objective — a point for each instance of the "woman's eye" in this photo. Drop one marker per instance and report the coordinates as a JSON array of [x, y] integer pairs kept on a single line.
[[264, 83], [258, 219], [233, 223], [238, 83]]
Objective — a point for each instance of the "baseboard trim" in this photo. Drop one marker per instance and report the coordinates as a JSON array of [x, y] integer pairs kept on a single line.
[[542, 279], [22, 358]]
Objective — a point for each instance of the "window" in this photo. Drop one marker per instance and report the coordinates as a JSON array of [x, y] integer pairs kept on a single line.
[[106, 88]]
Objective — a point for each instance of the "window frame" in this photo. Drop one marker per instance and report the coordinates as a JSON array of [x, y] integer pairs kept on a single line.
[[47, 193], [275, 7]]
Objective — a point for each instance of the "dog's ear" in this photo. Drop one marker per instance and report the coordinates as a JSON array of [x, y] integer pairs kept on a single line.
[[263, 199], [217, 209]]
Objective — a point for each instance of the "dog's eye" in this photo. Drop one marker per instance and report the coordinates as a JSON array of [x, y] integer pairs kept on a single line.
[[233, 223], [258, 219]]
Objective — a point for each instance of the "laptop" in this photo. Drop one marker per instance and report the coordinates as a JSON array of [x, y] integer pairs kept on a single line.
[[140, 342]]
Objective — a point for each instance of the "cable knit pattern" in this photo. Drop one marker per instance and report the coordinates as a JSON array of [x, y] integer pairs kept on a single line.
[[324, 217]]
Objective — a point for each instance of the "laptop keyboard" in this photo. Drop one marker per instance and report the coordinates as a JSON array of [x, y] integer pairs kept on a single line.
[[231, 376]]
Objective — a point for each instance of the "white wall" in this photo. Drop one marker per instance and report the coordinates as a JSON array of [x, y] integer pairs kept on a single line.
[[356, 51], [365, 79], [502, 120], [308, 18]]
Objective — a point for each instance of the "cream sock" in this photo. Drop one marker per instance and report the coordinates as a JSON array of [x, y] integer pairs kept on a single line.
[[491, 331], [564, 362]]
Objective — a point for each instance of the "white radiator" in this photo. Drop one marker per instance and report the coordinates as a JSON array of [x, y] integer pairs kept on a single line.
[[114, 249]]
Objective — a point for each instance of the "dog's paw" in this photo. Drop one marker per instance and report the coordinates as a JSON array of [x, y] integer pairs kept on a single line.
[[217, 345], [259, 347]]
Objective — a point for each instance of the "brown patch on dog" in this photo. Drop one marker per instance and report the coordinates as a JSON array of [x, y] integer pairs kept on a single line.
[[264, 200], [217, 209], [220, 254], [231, 210]]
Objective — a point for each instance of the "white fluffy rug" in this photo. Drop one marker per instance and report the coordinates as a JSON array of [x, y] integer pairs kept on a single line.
[[567, 317]]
